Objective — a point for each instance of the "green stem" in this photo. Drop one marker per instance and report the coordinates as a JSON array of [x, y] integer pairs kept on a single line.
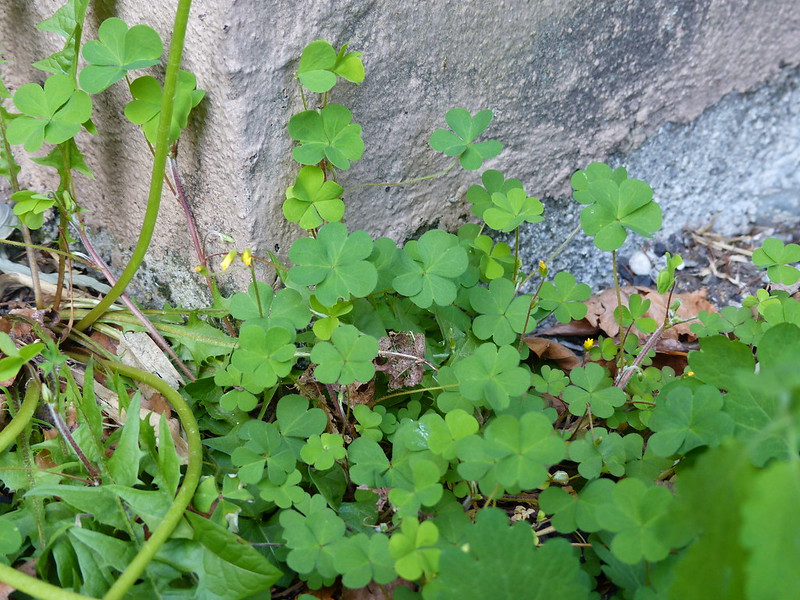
[[186, 492], [616, 277], [23, 416], [407, 181], [555, 253], [36, 587], [159, 167]]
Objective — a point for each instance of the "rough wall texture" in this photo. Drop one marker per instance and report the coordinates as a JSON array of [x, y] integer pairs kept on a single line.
[[570, 81]]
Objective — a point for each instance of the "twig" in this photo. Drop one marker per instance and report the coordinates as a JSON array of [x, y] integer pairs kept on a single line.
[[624, 377]]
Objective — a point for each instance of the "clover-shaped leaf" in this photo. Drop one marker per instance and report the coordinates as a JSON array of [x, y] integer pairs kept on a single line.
[[312, 538], [279, 309], [551, 381], [604, 452], [775, 257], [420, 487], [617, 208], [145, 108], [583, 179], [591, 386], [459, 141], [264, 448], [320, 64], [334, 262], [118, 51], [503, 314], [347, 358], [570, 512], [53, 113], [266, 352], [428, 268], [498, 561], [243, 399], [414, 550], [686, 419], [361, 559], [496, 259], [633, 314], [30, 207], [285, 494], [295, 419], [565, 296], [327, 133], [513, 453], [443, 433], [493, 182], [368, 463], [327, 317], [639, 515], [511, 209], [491, 376], [321, 451], [313, 200]]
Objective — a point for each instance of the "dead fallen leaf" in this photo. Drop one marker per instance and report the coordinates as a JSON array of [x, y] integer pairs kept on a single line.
[[601, 310], [402, 358], [547, 349]]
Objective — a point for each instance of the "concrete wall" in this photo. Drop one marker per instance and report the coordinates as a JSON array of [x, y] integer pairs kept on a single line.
[[570, 81]]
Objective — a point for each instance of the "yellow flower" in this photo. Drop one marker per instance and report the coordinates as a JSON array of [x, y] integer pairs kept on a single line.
[[228, 260], [588, 344], [542, 268], [690, 373], [247, 257]]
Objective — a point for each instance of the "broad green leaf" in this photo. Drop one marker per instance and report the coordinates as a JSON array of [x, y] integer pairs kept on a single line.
[[503, 314], [459, 141], [769, 522], [685, 419], [579, 512], [346, 358], [57, 155], [124, 463], [420, 488], [601, 451], [511, 209], [10, 537], [53, 113], [145, 108], [429, 268], [491, 376], [498, 561], [714, 564], [118, 51], [592, 388], [283, 308], [230, 568], [496, 259], [312, 199], [335, 263], [368, 463], [327, 133], [719, 360], [583, 179]]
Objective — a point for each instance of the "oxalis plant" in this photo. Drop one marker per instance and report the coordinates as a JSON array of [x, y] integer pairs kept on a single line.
[[376, 415]]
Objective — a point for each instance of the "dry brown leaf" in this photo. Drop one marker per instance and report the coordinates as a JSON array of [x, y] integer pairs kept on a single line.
[[547, 349], [601, 310], [402, 358], [581, 328]]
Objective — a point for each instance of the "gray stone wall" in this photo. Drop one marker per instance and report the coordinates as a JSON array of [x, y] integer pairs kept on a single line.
[[637, 82]]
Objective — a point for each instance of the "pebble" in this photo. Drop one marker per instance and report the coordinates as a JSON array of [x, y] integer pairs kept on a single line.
[[639, 263]]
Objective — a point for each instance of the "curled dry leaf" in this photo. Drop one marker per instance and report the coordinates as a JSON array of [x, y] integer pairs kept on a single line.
[[546, 349]]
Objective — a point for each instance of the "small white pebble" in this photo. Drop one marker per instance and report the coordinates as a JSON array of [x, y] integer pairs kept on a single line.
[[639, 263]]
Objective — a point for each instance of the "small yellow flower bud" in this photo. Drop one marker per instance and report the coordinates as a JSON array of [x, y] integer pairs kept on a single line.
[[542, 268], [247, 257], [228, 260], [690, 373], [199, 268], [588, 344]]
